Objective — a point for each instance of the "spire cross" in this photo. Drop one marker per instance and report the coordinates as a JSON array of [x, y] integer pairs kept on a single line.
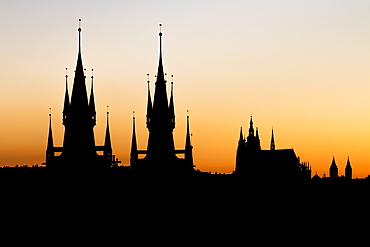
[[66, 73], [49, 112], [133, 115], [148, 78], [92, 73], [171, 79], [107, 109]]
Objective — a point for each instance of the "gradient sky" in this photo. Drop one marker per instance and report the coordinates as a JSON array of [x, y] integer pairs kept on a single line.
[[299, 66]]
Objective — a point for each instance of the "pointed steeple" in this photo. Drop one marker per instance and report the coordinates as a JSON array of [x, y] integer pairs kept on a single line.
[[79, 94], [348, 170], [258, 139], [66, 100], [133, 154], [241, 138], [50, 144], [172, 105], [50, 136], [107, 142], [160, 102], [251, 129], [333, 171], [272, 145], [92, 100], [149, 106], [160, 73], [188, 146]]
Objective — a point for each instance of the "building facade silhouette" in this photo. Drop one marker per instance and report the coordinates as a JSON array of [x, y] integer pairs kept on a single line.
[[275, 164], [161, 155], [79, 118]]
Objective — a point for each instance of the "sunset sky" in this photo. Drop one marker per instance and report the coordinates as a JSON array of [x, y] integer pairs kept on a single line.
[[299, 66]]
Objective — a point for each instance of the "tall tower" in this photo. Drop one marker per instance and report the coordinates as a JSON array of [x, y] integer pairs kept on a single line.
[[333, 170], [161, 155], [161, 119], [79, 118], [348, 170]]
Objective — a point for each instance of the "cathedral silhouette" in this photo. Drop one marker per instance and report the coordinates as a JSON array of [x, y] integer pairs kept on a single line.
[[275, 164], [161, 155], [79, 118]]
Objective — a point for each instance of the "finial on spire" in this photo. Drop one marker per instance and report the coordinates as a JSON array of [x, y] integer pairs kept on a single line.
[[133, 115], [79, 25], [160, 29], [107, 109], [171, 79], [92, 73], [147, 75], [49, 112], [66, 73]]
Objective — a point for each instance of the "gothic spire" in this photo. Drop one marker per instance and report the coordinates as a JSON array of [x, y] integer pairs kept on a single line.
[[134, 154], [160, 102], [251, 129], [258, 139], [172, 106], [79, 94], [188, 146], [149, 107], [160, 73], [66, 99], [107, 142], [50, 136], [241, 138], [272, 145], [348, 170], [333, 170], [92, 99]]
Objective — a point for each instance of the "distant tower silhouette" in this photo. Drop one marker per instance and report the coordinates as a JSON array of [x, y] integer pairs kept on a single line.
[[333, 171], [79, 118], [254, 163], [348, 170], [160, 155], [253, 142], [272, 145]]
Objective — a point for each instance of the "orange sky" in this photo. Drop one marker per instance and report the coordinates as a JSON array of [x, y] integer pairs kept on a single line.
[[299, 66]]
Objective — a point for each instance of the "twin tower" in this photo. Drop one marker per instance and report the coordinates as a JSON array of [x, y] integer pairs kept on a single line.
[[79, 151]]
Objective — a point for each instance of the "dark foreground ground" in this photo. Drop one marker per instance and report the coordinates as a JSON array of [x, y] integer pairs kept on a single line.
[[212, 206]]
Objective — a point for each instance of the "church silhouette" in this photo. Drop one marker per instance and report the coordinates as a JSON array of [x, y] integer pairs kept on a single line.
[[79, 118], [253, 163], [161, 155]]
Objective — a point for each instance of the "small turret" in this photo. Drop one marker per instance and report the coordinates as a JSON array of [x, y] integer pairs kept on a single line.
[[133, 154], [92, 101], [107, 143], [258, 141], [272, 145], [333, 171], [188, 146], [50, 145], [348, 170], [149, 107], [171, 107], [66, 101]]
